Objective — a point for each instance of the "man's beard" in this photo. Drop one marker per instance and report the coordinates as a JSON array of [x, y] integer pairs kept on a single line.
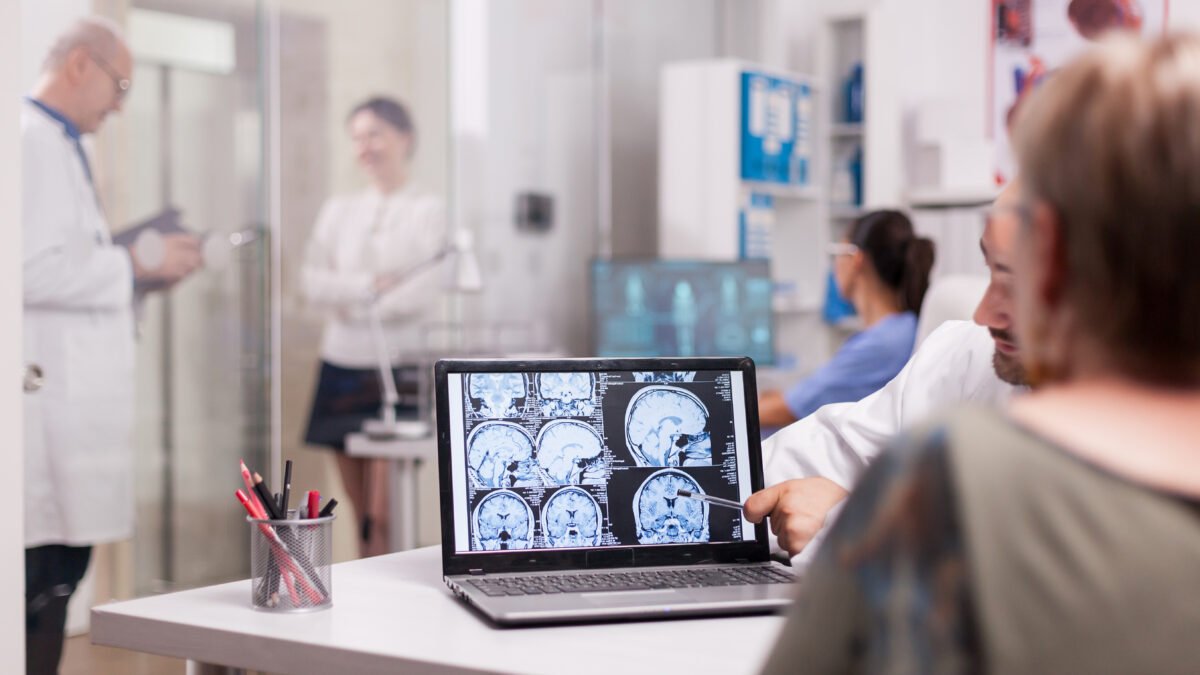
[[1008, 368]]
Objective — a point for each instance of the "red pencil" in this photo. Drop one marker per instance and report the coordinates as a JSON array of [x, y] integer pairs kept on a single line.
[[314, 502]]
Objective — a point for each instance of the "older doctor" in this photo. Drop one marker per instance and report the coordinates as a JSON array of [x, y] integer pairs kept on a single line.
[[79, 331], [810, 466]]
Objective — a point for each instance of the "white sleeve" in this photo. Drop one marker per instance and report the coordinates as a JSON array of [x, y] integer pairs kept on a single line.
[[63, 268], [424, 237], [325, 286], [838, 441]]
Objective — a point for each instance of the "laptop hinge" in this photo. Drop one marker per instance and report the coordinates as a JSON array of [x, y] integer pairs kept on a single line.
[[475, 572]]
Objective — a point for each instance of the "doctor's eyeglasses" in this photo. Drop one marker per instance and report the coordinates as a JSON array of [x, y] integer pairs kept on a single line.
[[121, 84]]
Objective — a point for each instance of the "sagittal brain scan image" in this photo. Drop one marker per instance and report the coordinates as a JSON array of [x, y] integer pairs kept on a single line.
[[663, 517], [500, 455], [497, 393], [571, 453], [664, 376], [571, 518], [566, 394], [503, 521], [667, 426]]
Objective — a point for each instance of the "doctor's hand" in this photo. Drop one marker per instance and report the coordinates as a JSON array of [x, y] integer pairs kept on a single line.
[[797, 509], [177, 257]]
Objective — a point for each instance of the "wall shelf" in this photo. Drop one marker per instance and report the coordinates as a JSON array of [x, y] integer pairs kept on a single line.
[[846, 212], [846, 130], [776, 190]]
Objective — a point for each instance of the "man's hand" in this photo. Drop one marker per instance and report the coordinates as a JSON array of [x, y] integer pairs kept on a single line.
[[179, 256], [797, 509]]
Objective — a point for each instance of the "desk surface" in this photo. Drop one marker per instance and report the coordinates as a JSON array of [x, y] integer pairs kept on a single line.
[[393, 614]]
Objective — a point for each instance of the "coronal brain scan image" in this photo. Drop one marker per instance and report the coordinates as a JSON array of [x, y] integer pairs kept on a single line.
[[571, 518], [566, 394], [667, 426], [498, 393], [663, 517], [503, 521], [571, 453], [500, 455], [664, 376]]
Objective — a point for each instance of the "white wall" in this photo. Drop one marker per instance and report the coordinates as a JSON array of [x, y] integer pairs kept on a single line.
[[12, 540], [40, 22]]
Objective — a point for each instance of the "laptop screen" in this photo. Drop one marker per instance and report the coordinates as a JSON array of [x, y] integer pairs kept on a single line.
[[592, 459]]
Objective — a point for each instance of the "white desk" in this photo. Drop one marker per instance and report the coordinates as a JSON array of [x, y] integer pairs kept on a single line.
[[393, 614], [403, 454]]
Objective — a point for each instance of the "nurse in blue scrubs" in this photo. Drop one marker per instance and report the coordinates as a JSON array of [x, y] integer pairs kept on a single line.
[[882, 268]]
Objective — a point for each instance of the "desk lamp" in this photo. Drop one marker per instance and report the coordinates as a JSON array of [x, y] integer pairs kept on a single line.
[[462, 277]]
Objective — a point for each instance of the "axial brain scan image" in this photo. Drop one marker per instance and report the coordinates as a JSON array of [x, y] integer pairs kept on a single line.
[[503, 521], [571, 518], [667, 426], [570, 452], [497, 392], [663, 517], [566, 394], [500, 455], [664, 376]]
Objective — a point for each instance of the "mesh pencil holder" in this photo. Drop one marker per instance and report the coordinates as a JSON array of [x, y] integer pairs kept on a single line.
[[290, 564]]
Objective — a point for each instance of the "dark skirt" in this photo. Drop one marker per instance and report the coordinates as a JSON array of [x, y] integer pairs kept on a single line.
[[346, 397]]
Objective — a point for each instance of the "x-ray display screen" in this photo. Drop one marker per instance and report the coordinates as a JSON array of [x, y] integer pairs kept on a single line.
[[682, 308], [550, 460]]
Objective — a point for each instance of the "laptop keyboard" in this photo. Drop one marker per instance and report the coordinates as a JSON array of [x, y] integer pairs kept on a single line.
[[599, 582]]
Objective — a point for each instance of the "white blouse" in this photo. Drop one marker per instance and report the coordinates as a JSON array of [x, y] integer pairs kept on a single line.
[[358, 237]]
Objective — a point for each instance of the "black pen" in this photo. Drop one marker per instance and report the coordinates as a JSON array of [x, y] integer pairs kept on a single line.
[[264, 494], [328, 510], [715, 501], [287, 487]]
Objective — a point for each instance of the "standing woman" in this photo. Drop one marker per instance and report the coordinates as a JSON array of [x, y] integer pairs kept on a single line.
[[882, 268], [359, 252]]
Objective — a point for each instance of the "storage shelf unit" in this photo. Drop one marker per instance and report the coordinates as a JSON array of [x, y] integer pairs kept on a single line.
[[842, 47]]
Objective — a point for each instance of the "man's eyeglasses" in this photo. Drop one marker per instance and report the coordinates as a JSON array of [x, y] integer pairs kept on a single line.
[[841, 248], [1023, 212], [121, 84]]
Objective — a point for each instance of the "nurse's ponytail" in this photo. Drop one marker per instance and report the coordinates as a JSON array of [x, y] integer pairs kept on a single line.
[[901, 259]]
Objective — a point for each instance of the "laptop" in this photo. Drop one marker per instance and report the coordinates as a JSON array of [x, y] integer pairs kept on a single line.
[[565, 489]]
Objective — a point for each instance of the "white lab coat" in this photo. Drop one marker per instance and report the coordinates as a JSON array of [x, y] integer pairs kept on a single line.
[[838, 441], [356, 238], [79, 329]]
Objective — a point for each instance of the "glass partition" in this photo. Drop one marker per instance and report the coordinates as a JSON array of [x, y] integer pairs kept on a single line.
[[193, 132]]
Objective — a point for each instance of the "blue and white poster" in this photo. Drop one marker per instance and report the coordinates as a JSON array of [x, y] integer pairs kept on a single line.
[[776, 129]]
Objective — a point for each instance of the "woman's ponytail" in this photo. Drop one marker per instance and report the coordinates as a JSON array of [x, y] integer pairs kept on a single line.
[[901, 259], [914, 281]]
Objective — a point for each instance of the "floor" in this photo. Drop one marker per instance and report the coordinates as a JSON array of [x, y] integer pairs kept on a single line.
[[81, 657]]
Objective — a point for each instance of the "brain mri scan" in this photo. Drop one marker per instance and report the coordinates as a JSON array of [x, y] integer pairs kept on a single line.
[[663, 517], [570, 452], [667, 426], [500, 455], [571, 518], [498, 393], [566, 394], [503, 521], [664, 376]]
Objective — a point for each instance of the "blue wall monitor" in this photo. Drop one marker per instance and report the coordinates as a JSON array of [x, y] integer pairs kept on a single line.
[[682, 308]]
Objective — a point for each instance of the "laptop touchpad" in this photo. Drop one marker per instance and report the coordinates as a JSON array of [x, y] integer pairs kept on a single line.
[[631, 598]]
